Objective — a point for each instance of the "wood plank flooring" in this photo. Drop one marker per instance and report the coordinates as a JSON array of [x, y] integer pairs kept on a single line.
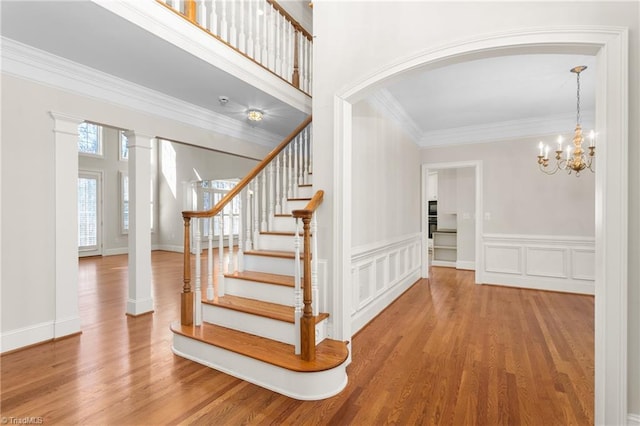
[[448, 352]]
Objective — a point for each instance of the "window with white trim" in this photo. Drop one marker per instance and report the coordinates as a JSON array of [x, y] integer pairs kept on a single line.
[[210, 192], [90, 139], [123, 146]]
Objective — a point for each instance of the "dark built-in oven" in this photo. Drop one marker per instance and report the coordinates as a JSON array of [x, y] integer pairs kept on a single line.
[[433, 217]]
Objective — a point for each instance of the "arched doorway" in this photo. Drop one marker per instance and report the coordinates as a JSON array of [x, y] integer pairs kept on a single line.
[[610, 48]]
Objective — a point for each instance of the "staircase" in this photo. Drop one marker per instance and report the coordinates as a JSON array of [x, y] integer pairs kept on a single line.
[[255, 324]]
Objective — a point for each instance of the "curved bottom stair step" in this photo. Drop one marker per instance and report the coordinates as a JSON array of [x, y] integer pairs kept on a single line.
[[329, 354]]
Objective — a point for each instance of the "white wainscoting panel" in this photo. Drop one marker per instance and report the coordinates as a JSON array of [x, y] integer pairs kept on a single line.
[[381, 272], [540, 262]]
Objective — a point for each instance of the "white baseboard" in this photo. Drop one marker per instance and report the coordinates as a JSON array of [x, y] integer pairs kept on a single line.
[[115, 251], [67, 326], [468, 265], [633, 419], [538, 283], [26, 336], [168, 247], [139, 306]]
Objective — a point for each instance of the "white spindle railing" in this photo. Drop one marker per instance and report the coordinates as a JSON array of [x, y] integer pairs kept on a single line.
[[260, 29], [249, 211]]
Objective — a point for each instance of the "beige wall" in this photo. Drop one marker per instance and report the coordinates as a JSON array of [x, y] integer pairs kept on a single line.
[[386, 184]]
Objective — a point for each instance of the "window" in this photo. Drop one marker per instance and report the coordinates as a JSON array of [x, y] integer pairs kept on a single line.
[[124, 203], [123, 147], [210, 192], [89, 139]]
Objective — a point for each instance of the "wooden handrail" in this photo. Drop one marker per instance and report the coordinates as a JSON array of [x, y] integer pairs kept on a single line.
[[249, 177], [311, 206]]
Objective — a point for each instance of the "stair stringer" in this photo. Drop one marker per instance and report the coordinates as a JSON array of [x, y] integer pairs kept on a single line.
[[307, 386]]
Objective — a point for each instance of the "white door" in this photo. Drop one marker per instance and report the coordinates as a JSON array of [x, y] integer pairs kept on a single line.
[[89, 213]]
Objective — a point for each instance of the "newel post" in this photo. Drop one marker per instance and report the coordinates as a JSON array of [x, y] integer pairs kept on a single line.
[[295, 78], [186, 305], [307, 323], [190, 10]]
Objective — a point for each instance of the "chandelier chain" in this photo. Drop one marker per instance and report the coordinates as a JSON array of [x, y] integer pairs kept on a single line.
[[578, 99]]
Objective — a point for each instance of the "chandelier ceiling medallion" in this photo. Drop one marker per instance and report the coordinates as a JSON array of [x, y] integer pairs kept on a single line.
[[575, 159]]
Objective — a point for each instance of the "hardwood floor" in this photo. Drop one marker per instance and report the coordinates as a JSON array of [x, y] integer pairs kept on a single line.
[[447, 352]]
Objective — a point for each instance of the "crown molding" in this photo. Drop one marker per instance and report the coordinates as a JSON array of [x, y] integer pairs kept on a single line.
[[23, 61], [388, 105], [505, 130]]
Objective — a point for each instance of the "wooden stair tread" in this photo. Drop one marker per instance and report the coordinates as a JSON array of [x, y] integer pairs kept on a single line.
[[282, 233], [303, 185], [272, 253], [329, 353], [263, 277], [255, 307], [283, 215], [299, 199], [260, 308]]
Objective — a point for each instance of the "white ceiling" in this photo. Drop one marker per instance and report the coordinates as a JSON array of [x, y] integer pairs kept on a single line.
[[497, 92], [511, 95]]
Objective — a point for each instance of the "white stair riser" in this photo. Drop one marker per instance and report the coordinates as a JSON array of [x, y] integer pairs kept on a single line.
[[302, 386], [295, 205], [253, 324], [276, 242], [270, 265], [305, 191], [272, 293], [283, 224]]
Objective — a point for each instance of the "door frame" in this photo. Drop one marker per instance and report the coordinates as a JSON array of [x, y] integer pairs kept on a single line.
[[476, 165]]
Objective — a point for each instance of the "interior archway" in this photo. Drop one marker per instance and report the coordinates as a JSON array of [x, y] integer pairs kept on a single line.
[[611, 49]]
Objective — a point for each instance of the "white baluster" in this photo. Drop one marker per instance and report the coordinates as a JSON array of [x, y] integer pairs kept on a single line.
[[290, 172], [303, 159], [201, 13], [263, 223], [297, 292], [213, 18], [296, 159], [240, 233], [283, 204], [310, 68], [224, 26], [272, 38], [256, 216], [271, 193], [277, 194], [220, 254], [265, 37], [278, 23], [210, 261], [258, 44], [230, 263], [248, 196], [250, 41], [310, 132], [177, 5], [242, 40], [314, 265], [198, 292], [233, 31]]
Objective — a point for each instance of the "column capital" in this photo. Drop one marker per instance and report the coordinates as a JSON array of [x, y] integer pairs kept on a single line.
[[138, 140], [65, 123]]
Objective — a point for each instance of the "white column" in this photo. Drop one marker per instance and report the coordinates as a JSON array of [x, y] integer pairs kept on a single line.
[[67, 317], [140, 299]]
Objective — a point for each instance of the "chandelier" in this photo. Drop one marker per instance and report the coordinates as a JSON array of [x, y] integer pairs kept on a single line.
[[575, 159]]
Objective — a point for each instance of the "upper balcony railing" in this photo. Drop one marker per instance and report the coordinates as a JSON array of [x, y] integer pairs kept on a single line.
[[261, 30]]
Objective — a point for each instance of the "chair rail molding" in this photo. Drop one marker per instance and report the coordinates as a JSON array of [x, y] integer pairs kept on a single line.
[[611, 47]]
